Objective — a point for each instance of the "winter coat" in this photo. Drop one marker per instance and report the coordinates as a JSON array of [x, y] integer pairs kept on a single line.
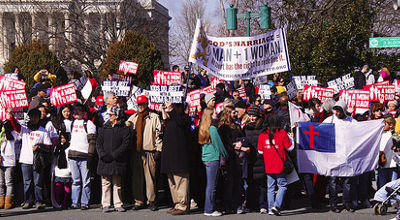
[[256, 159], [112, 147], [152, 132], [175, 154], [359, 80], [41, 158]]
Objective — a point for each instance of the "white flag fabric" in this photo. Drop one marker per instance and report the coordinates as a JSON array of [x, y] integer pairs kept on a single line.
[[342, 149], [86, 90], [296, 115], [235, 58]]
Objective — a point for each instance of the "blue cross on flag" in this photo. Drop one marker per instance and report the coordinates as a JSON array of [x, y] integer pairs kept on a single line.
[[317, 136]]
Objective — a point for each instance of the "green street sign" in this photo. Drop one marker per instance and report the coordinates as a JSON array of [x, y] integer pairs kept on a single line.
[[384, 42]]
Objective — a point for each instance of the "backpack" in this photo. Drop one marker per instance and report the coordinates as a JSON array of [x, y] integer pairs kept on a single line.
[[85, 121]]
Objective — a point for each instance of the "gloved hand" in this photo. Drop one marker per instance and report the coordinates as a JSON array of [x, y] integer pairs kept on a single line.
[[157, 155], [107, 158]]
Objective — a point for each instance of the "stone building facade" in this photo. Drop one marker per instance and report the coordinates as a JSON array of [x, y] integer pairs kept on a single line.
[[73, 26]]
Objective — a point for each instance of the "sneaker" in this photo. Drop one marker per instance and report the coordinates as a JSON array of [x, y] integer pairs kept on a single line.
[[263, 211], [40, 206], [276, 211], [84, 207], [106, 209], [74, 206], [270, 213], [120, 209], [27, 206], [239, 211], [214, 214], [171, 211]]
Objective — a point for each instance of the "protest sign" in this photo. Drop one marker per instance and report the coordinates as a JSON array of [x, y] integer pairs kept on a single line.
[[378, 92], [355, 98], [320, 93], [219, 107], [242, 92], [167, 78], [214, 82], [265, 91], [136, 91], [159, 94], [8, 83], [344, 82], [301, 81], [208, 89], [86, 91], [14, 99], [235, 58], [119, 88], [397, 86], [121, 77], [155, 107], [63, 95], [193, 99], [291, 89], [128, 67], [260, 80], [367, 87]]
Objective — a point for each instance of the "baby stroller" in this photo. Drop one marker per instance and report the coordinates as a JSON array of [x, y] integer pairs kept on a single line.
[[389, 192]]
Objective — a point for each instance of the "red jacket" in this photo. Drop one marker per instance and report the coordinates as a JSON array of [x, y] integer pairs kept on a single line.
[[273, 162]]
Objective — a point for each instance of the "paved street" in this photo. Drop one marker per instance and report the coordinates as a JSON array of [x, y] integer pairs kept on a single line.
[[95, 213]]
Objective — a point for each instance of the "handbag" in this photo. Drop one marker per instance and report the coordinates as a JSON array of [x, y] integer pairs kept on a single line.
[[287, 165]]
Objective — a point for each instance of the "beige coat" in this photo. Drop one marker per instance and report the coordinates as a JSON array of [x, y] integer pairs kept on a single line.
[[152, 131]]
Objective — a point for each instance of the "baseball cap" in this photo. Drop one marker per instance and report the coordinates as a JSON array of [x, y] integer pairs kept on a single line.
[[141, 99]]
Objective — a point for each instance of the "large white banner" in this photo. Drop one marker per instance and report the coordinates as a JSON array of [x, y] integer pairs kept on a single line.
[[234, 58]]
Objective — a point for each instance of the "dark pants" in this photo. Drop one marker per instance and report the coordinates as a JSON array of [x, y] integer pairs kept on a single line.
[[233, 187], [348, 190], [33, 181]]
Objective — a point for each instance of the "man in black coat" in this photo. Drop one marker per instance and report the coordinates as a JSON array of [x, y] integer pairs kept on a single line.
[[112, 147]]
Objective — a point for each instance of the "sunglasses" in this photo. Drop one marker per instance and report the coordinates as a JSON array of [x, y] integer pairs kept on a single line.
[[379, 110]]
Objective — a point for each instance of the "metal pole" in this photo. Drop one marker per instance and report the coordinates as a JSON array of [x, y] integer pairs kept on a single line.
[[248, 17], [187, 82], [287, 57]]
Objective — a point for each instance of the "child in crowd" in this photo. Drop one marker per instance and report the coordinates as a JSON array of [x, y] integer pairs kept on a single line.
[[62, 172]]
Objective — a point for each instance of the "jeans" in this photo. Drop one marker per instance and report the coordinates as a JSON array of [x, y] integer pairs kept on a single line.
[[212, 168], [81, 179], [6, 181], [272, 180], [386, 175], [348, 190], [261, 190], [30, 178]]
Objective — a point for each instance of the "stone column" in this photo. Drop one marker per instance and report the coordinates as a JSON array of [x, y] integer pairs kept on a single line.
[[68, 29], [86, 26], [102, 30], [6, 46], [51, 28], [119, 26], [34, 27], [17, 30]]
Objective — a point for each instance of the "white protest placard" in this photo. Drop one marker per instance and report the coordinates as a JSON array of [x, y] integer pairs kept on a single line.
[[301, 81], [235, 58], [265, 91], [159, 94], [291, 89], [119, 88], [344, 82], [128, 67]]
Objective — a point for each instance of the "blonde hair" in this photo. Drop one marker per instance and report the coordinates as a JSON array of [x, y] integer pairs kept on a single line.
[[205, 123], [226, 118]]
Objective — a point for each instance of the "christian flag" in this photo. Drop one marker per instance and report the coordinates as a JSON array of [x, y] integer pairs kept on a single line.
[[340, 149]]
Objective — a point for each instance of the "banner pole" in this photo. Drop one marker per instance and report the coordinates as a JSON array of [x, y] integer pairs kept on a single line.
[[287, 58], [187, 82]]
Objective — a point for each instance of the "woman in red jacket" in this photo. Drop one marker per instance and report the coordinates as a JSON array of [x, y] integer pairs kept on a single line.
[[273, 143]]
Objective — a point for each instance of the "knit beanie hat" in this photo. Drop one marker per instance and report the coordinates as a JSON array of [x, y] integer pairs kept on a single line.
[[254, 110]]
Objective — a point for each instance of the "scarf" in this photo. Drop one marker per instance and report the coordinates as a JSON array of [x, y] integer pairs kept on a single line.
[[2, 135], [139, 127]]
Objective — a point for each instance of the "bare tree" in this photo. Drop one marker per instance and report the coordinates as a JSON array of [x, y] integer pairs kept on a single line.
[[80, 31]]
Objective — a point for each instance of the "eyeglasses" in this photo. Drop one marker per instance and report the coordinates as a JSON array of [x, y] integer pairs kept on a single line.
[[235, 95], [258, 100], [379, 110]]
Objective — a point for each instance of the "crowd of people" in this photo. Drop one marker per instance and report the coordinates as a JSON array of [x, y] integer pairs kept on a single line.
[[225, 162]]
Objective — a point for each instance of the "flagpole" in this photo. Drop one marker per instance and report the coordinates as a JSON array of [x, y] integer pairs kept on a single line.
[[187, 82]]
